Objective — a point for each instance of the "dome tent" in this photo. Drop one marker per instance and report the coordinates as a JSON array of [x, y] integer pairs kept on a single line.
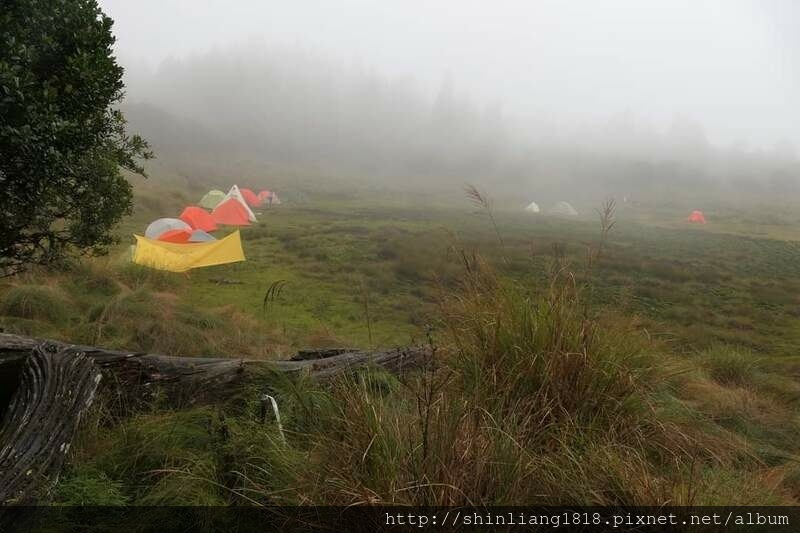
[[198, 218], [212, 199], [162, 225], [532, 208], [563, 209], [231, 213], [697, 217], [235, 194], [250, 197], [177, 236], [199, 235], [268, 198]]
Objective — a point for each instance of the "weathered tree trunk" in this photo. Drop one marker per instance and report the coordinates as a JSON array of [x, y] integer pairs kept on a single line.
[[137, 368], [51, 384], [54, 392]]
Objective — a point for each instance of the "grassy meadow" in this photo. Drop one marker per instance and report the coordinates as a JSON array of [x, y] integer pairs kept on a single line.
[[658, 365]]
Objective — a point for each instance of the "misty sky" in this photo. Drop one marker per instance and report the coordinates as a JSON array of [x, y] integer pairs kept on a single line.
[[731, 64]]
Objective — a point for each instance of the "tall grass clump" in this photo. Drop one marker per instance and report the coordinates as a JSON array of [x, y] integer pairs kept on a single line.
[[562, 398], [518, 355], [94, 276], [89, 487], [730, 366], [35, 302]]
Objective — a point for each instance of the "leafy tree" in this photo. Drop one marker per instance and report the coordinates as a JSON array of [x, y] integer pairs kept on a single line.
[[62, 141]]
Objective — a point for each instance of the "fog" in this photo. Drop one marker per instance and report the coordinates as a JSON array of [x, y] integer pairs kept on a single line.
[[506, 91]]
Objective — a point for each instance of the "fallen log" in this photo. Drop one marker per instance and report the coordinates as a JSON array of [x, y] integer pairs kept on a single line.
[[55, 390], [138, 368], [51, 384]]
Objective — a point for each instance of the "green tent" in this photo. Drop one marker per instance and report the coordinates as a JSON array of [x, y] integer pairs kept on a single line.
[[212, 199]]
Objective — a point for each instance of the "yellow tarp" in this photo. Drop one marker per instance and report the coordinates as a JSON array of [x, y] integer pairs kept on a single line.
[[182, 257]]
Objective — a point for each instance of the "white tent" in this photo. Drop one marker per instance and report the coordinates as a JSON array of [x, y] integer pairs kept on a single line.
[[236, 194], [564, 209], [162, 225], [532, 208]]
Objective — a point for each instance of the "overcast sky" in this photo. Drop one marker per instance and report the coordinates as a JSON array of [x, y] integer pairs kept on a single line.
[[732, 64]]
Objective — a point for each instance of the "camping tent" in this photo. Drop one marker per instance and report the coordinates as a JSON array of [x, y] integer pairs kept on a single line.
[[231, 213], [563, 209], [250, 197], [268, 198], [157, 227], [236, 194], [198, 218], [178, 236], [212, 199], [698, 217], [182, 257], [265, 197], [199, 235], [532, 207]]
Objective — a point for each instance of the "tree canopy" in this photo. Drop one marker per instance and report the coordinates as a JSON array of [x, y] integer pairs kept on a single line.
[[62, 140]]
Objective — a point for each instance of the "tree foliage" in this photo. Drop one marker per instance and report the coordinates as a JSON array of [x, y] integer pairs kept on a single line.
[[62, 141]]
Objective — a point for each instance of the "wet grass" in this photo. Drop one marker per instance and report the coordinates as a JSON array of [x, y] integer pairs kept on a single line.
[[691, 361]]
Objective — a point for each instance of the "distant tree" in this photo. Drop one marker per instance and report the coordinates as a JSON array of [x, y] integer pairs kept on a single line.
[[62, 141]]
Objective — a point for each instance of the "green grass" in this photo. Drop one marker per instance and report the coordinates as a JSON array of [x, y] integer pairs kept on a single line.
[[524, 387], [703, 286], [667, 373], [732, 367]]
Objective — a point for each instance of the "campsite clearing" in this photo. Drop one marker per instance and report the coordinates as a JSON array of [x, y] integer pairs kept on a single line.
[[699, 286]]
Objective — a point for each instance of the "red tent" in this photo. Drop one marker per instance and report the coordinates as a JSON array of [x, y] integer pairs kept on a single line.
[[697, 216], [178, 236], [231, 213], [198, 218], [263, 195], [250, 197]]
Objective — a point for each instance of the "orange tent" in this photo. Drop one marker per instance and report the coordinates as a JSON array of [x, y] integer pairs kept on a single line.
[[198, 218], [177, 236], [697, 216], [231, 213], [250, 197]]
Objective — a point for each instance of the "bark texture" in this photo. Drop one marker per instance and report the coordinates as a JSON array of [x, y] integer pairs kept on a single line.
[[55, 390]]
